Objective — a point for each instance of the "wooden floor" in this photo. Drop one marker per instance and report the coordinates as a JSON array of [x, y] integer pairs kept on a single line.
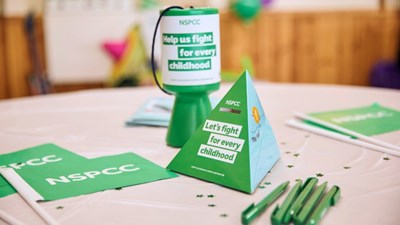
[[313, 47]]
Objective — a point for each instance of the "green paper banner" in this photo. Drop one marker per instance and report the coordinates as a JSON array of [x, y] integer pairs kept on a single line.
[[56, 173], [73, 179], [35, 157], [369, 120]]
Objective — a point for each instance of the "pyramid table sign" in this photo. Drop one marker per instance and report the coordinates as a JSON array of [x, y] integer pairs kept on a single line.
[[235, 146]]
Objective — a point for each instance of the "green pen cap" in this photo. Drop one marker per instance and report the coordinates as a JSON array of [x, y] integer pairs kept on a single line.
[[279, 212], [301, 217], [251, 212], [331, 198], [306, 191]]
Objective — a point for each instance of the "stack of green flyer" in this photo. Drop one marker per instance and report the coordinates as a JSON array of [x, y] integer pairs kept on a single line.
[[55, 173], [156, 111]]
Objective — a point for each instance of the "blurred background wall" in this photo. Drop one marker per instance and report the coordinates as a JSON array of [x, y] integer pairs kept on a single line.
[[302, 41]]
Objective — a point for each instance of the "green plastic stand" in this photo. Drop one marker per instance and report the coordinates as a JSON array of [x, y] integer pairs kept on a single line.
[[189, 112], [191, 108]]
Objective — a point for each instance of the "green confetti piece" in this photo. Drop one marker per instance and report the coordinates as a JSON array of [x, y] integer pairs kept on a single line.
[[296, 155], [199, 196], [320, 175], [346, 167], [386, 158], [261, 187], [290, 166], [267, 183], [211, 196], [60, 207], [224, 215], [211, 205]]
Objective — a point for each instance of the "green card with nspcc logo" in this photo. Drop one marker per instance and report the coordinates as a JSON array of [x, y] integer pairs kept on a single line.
[[35, 157], [55, 173], [109, 172], [370, 120]]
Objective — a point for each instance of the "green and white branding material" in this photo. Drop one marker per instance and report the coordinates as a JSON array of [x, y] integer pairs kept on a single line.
[[190, 47], [55, 173], [235, 146], [36, 157], [68, 180], [190, 67], [370, 120]]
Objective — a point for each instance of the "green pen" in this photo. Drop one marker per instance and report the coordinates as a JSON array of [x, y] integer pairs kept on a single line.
[[301, 216], [251, 212], [306, 191], [331, 198], [280, 212]]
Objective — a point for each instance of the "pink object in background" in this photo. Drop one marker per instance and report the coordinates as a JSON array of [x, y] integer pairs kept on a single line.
[[266, 2], [115, 49]]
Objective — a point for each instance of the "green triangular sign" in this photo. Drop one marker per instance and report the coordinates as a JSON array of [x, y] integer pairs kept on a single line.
[[235, 146]]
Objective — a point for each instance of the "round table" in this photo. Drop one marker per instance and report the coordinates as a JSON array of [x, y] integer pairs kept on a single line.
[[92, 124]]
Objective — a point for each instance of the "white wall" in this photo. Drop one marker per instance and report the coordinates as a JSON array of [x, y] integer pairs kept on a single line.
[[20, 7], [306, 5], [74, 35]]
